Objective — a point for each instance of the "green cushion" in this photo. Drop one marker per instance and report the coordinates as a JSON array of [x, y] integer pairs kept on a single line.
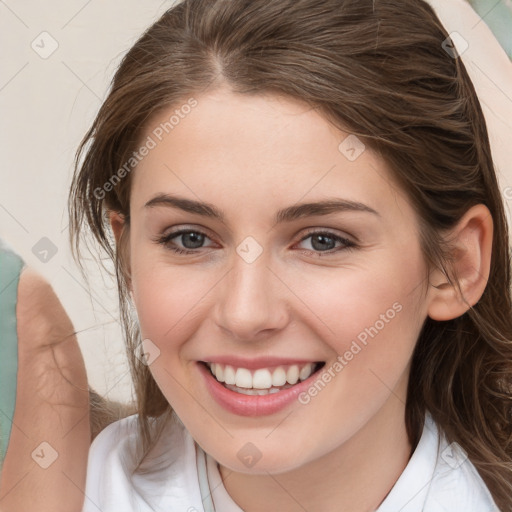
[[498, 17]]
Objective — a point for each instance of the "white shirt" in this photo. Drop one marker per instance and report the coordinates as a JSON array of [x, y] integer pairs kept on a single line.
[[438, 477]]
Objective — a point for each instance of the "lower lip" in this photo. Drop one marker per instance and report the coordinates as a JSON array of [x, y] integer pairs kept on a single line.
[[252, 405]]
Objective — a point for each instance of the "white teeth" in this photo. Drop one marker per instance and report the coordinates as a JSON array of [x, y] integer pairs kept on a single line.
[[292, 375], [243, 378], [279, 377], [306, 371], [261, 392], [219, 372], [229, 375], [263, 378]]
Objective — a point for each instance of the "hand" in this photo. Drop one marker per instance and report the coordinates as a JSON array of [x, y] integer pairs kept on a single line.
[[52, 407]]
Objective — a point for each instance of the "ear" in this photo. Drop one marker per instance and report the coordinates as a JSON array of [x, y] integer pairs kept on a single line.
[[471, 243], [117, 223]]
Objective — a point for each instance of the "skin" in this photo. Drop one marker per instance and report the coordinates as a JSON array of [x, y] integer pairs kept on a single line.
[[52, 406], [348, 446]]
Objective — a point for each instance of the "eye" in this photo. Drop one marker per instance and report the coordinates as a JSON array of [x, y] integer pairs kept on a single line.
[[191, 239], [325, 242]]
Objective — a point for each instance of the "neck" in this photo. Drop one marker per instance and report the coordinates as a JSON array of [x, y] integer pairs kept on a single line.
[[355, 477]]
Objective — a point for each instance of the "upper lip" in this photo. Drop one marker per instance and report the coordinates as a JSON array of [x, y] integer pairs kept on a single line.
[[258, 362]]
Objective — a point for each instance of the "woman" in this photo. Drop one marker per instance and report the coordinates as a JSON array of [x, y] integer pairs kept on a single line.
[[407, 326], [219, 119]]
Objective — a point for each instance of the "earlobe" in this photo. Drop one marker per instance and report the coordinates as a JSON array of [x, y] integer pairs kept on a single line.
[[470, 261]]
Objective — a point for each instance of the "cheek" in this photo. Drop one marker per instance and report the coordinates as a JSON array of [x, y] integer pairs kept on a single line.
[[168, 303], [370, 316], [349, 301], [167, 300]]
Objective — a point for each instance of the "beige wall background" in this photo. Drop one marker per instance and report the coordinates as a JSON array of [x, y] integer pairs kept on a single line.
[[58, 58]]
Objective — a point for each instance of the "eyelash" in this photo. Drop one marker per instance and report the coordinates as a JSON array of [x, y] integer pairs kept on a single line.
[[347, 244]]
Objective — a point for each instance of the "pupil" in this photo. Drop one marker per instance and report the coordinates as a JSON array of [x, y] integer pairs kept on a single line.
[[322, 239], [195, 238]]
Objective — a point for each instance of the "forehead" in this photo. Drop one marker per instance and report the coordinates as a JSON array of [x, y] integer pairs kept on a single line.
[[255, 151]]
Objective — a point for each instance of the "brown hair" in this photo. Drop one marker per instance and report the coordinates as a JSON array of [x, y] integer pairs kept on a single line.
[[378, 69]]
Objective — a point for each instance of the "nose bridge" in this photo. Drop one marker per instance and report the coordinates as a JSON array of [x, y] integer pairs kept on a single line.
[[249, 301]]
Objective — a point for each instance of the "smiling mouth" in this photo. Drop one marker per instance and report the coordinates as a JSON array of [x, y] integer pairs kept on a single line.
[[262, 381]]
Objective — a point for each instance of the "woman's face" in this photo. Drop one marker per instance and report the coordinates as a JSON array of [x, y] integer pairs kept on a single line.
[[300, 249]]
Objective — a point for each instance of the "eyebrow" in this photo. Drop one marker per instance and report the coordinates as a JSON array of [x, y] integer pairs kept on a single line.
[[297, 211]]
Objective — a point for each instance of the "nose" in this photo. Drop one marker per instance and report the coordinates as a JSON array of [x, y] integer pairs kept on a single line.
[[252, 302]]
